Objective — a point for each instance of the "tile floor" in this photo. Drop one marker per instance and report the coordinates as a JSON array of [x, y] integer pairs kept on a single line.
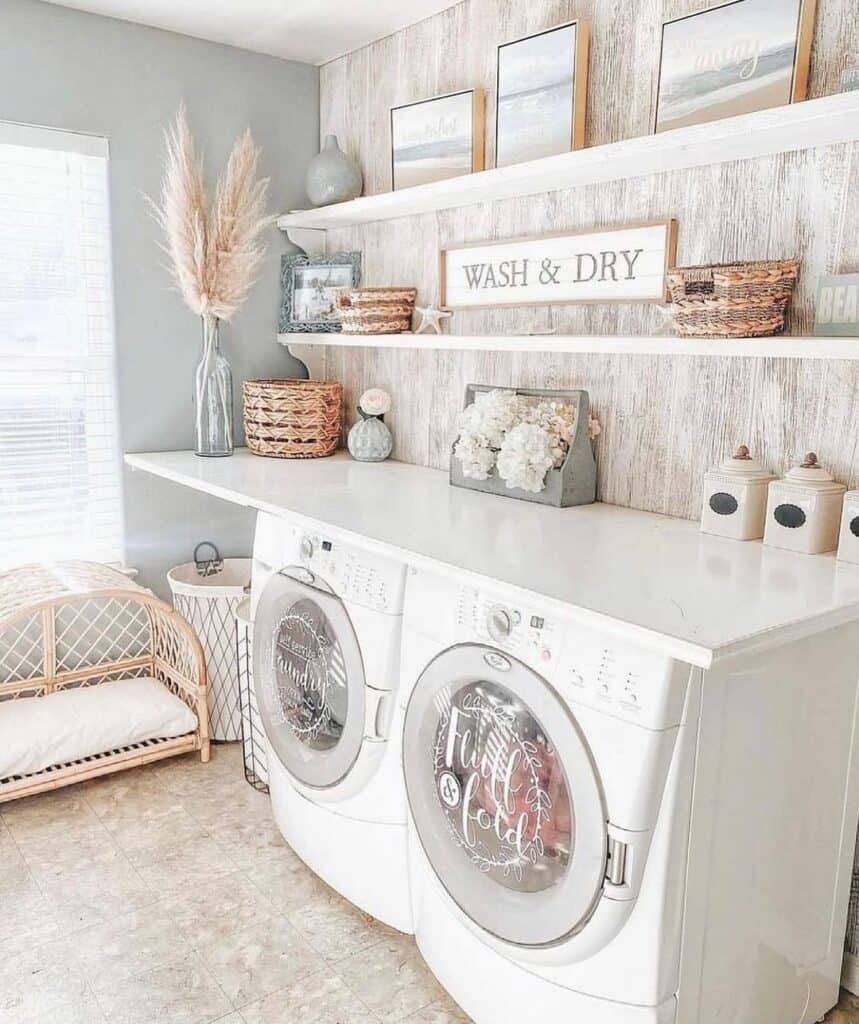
[[165, 895]]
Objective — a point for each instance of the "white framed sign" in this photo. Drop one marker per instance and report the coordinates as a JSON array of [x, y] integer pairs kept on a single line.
[[622, 264], [837, 306]]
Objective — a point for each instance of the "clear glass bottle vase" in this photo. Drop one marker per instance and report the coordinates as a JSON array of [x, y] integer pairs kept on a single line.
[[213, 394]]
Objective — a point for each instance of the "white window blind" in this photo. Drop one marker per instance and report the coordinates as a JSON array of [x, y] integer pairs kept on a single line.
[[59, 451]]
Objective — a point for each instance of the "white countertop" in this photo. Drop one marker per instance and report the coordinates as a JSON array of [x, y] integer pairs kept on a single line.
[[659, 579]]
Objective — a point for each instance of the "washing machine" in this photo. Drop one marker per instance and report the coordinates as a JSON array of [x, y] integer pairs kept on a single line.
[[554, 772], [327, 631]]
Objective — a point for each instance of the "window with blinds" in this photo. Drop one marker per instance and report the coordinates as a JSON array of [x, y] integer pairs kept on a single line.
[[59, 451]]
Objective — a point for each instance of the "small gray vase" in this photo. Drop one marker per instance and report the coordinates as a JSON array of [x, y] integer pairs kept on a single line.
[[370, 440], [333, 176]]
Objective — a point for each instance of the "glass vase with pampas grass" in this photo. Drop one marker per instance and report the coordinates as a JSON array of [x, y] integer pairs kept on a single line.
[[215, 252]]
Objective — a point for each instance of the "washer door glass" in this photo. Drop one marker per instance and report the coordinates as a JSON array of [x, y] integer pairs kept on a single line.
[[308, 678], [504, 796]]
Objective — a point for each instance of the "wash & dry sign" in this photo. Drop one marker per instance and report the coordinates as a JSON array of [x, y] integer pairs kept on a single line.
[[624, 264]]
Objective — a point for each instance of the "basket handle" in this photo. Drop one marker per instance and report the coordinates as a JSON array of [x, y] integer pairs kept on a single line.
[[208, 566], [583, 409]]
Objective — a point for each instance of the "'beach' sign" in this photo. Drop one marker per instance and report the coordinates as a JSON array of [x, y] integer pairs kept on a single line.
[[624, 264], [838, 306]]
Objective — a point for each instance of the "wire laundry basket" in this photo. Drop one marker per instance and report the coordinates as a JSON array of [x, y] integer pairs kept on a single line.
[[207, 592]]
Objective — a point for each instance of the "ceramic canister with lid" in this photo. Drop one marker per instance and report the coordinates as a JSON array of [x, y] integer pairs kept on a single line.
[[735, 498], [804, 509], [848, 540]]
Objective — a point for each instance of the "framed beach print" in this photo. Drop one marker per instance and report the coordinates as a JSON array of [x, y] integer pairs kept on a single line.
[[437, 138], [311, 290], [541, 94], [736, 58]]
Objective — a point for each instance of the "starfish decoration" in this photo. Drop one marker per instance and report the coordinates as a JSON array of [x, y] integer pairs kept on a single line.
[[431, 318]]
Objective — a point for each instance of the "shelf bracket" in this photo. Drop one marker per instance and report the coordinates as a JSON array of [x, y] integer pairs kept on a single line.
[[312, 241]]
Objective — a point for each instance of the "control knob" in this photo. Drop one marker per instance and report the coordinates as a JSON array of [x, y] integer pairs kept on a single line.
[[306, 548], [499, 623]]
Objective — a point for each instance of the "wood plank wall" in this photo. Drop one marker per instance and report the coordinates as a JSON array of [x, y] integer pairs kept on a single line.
[[665, 419]]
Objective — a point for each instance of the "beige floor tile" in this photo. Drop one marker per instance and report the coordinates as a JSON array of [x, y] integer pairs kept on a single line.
[[58, 816], [141, 941], [176, 867], [215, 812], [109, 886], [26, 920], [336, 929], [445, 1011], [248, 836], [78, 850], [218, 908], [317, 999], [182, 992], [286, 881], [122, 794], [146, 840], [259, 959], [38, 982], [80, 1011], [391, 978], [15, 876]]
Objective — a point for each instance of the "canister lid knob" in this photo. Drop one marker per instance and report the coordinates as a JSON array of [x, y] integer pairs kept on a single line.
[[811, 461], [742, 467]]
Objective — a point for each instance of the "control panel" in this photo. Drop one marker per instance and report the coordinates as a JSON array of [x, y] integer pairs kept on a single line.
[[354, 575], [530, 636], [585, 666]]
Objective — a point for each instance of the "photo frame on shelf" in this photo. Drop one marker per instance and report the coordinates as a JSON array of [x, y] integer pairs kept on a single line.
[[541, 93], [311, 289], [732, 59], [628, 263], [437, 138]]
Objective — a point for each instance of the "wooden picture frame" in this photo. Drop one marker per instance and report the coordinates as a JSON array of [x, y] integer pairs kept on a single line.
[[798, 89], [662, 259], [471, 113], [579, 53]]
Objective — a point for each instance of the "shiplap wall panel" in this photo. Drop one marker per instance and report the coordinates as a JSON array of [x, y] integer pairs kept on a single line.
[[665, 419]]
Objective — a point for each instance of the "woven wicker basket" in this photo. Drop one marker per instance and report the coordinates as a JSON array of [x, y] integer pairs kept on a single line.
[[292, 419], [732, 300], [378, 310]]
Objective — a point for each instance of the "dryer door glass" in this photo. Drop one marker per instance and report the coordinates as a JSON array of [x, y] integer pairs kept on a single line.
[[504, 796], [502, 787], [308, 678]]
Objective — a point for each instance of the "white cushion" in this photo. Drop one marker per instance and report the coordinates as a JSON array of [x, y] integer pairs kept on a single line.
[[37, 732]]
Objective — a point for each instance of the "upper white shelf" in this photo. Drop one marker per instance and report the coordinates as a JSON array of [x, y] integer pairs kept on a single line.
[[820, 122], [782, 347]]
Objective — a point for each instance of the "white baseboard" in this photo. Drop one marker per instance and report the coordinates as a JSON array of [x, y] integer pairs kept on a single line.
[[850, 973]]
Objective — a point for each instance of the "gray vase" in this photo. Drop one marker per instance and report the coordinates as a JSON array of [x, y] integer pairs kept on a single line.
[[333, 176], [370, 440]]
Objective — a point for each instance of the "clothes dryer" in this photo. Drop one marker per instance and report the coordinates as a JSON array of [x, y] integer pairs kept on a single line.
[[554, 772]]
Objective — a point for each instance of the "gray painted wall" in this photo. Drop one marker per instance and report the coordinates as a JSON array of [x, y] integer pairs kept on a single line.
[[83, 72]]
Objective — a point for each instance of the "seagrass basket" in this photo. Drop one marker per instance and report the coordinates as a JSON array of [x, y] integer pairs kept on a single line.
[[292, 419], [377, 310], [732, 300]]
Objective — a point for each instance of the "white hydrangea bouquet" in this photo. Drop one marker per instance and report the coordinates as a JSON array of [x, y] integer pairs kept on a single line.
[[517, 437]]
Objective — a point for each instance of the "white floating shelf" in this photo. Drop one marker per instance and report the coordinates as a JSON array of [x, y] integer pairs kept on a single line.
[[820, 122], [783, 347]]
